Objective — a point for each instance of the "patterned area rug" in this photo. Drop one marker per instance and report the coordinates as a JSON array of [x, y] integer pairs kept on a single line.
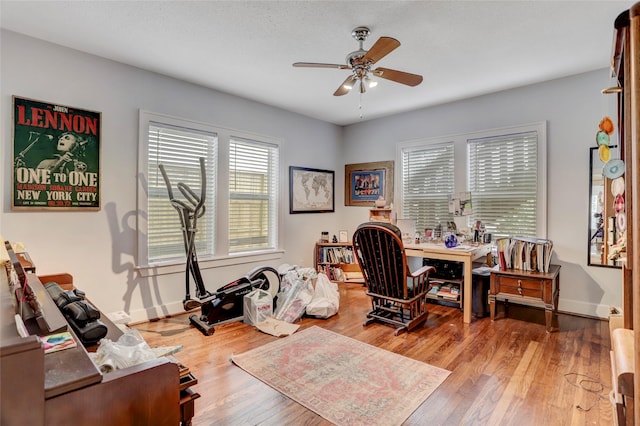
[[341, 379]]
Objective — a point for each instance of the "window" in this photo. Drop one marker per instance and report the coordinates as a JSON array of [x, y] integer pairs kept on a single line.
[[504, 169], [253, 195], [179, 150], [241, 215], [503, 180], [427, 180]]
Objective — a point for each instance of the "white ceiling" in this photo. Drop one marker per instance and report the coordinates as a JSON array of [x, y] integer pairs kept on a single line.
[[246, 48]]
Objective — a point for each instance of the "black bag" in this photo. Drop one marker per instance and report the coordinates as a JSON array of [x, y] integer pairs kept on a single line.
[[63, 297], [81, 315], [81, 312], [91, 333]]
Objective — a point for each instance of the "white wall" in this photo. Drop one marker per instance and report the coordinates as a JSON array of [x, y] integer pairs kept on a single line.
[[98, 248], [572, 107]]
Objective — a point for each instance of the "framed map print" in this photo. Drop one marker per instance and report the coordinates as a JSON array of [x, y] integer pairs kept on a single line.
[[311, 190]]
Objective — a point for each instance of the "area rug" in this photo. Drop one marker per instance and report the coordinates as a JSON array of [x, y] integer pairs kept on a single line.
[[341, 379]]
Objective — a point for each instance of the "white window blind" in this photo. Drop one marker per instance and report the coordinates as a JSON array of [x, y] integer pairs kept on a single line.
[[253, 195], [427, 181], [503, 180], [179, 150]]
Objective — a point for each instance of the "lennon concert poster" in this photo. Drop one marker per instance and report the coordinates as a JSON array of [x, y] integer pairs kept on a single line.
[[56, 157]]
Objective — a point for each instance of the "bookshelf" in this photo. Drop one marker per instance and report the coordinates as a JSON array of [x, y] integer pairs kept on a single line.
[[329, 257], [446, 282]]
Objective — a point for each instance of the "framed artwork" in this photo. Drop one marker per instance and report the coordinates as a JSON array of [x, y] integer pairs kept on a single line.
[[343, 236], [364, 183], [56, 157], [311, 190]]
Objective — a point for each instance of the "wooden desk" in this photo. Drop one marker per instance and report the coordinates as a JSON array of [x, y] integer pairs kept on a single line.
[[528, 287], [465, 253]]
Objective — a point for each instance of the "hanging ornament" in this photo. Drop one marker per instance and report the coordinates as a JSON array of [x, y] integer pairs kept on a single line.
[[605, 153], [617, 186], [613, 168], [606, 125], [618, 204], [602, 138], [621, 222]]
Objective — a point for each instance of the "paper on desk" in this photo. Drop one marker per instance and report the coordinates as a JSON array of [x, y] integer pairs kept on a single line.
[[276, 327]]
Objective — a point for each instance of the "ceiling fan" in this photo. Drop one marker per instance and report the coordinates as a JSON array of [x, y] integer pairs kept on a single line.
[[361, 61]]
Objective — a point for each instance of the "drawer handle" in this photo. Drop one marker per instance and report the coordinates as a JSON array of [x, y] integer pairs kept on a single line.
[[520, 287]]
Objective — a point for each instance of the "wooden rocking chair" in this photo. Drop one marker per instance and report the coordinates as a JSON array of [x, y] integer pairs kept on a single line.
[[398, 296]]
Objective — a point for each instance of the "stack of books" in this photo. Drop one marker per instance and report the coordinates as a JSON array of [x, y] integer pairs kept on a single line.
[[445, 291]]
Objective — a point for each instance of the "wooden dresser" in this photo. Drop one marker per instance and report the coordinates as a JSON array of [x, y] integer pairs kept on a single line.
[[529, 287], [66, 387]]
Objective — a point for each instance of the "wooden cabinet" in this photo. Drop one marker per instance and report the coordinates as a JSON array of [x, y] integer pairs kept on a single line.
[[528, 287], [625, 356], [329, 257], [66, 386]]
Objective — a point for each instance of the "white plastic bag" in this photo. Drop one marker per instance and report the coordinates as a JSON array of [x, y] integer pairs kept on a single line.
[[326, 298], [257, 306], [130, 349], [292, 302]]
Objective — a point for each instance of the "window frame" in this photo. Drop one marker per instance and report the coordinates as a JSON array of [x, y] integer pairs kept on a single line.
[[222, 257], [419, 145], [462, 166]]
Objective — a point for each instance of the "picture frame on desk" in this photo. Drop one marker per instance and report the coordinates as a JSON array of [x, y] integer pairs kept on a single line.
[[343, 236], [365, 183], [311, 190]]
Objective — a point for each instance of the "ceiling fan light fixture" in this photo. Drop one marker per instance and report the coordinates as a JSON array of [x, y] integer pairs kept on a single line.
[[349, 83], [370, 82]]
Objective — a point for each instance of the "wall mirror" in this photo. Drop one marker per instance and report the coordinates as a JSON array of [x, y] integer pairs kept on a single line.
[[602, 228]]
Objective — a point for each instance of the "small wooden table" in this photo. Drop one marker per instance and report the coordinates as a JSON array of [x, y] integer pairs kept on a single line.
[[527, 287]]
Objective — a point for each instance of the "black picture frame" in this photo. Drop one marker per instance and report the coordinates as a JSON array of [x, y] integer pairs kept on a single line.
[[56, 156], [311, 190]]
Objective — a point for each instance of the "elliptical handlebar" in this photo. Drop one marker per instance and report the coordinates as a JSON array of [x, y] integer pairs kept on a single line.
[[189, 211], [197, 203]]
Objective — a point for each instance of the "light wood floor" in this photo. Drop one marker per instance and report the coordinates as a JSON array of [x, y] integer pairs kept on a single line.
[[506, 372]]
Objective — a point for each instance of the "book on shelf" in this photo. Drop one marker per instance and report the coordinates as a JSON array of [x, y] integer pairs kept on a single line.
[[336, 254], [58, 342], [525, 253]]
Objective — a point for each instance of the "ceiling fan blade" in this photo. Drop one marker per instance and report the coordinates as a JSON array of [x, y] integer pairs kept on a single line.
[[398, 76], [317, 65], [381, 48], [346, 86]]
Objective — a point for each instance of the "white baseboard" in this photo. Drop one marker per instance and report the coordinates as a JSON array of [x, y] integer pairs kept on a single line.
[[156, 312], [567, 306], [586, 309]]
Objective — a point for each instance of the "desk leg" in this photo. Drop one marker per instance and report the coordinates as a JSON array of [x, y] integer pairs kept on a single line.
[[466, 293], [492, 307]]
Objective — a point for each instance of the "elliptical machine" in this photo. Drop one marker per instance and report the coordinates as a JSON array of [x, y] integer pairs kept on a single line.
[[226, 304]]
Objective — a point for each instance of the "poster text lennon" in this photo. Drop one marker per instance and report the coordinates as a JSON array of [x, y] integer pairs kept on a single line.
[[56, 157]]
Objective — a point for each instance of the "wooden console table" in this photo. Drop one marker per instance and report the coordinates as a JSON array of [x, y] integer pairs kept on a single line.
[[527, 287]]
